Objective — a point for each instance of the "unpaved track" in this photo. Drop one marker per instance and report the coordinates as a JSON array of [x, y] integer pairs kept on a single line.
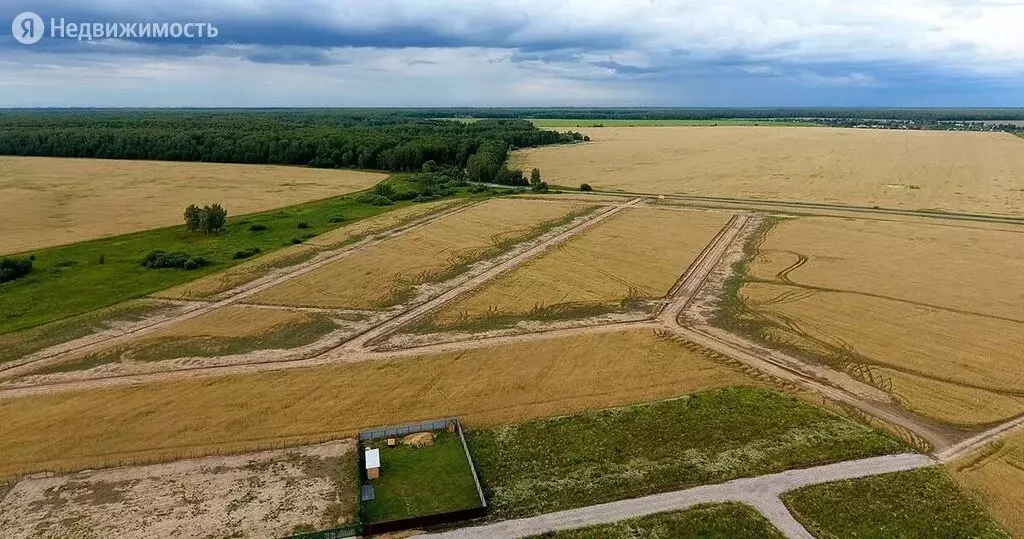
[[235, 295], [761, 492], [974, 443]]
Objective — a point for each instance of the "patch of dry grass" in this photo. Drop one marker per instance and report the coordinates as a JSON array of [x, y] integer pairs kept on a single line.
[[385, 274], [955, 171], [929, 312], [504, 384], [996, 475], [638, 254], [56, 201]]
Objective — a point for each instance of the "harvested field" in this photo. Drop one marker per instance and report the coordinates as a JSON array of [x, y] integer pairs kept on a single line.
[[729, 520], [269, 494], [995, 474], [484, 387], [930, 313], [923, 503], [386, 274], [953, 171], [217, 283], [54, 201], [636, 255], [229, 330]]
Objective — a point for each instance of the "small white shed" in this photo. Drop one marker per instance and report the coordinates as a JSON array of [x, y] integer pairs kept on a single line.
[[372, 463]]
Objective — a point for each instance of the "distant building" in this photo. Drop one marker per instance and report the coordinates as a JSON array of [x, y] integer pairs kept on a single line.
[[372, 463]]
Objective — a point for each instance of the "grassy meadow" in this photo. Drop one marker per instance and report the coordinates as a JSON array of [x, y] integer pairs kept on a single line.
[[728, 520]]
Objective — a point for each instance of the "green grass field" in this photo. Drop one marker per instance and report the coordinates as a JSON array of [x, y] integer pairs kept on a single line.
[[598, 457], [924, 504], [713, 521], [70, 280], [418, 481]]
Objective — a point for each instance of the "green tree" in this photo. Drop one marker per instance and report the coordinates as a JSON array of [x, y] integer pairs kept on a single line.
[[193, 218], [535, 176], [215, 218]]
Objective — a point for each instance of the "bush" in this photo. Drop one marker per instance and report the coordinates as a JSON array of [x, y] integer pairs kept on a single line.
[[336, 219], [246, 253], [160, 259], [257, 227], [14, 268], [303, 225], [586, 187], [375, 200], [541, 187], [208, 219], [296, 241]]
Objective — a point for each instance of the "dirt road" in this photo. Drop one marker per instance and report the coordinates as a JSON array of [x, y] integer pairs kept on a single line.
[[761, 492]]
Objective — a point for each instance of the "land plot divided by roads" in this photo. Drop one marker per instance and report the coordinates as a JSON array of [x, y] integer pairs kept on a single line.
[[54, 201], [386, 274], [995, 474], [636, 255], [942, 170]]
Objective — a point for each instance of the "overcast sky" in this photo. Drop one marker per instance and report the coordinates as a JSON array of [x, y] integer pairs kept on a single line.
[[527, 53]]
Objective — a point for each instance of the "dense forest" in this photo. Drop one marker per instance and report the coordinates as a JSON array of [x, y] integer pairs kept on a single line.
[[920, 115], [366, 139]]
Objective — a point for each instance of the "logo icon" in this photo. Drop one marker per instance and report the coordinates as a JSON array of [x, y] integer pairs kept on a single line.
[[27, 28]]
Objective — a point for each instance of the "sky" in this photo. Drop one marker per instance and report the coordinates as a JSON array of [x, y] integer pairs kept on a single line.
[[518, 53]]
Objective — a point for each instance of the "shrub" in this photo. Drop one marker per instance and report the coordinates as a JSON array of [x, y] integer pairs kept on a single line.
[[385, 190], [257, 227], [586, 187], [296, 241], [246, 253], [14, 268], [541, 187], [375, 200], [102, 260], [208, 219], [336, 219], [160, 259], [303, 225]]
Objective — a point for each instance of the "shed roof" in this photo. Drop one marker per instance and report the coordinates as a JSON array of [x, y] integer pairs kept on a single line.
[[372, 458]]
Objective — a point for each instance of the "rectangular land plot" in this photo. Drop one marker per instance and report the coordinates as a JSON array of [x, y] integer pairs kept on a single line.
[[419, 481], [385, 274], [267, 494], [234, 329], [995, 474], [596, 457], [56, 201], [195, 417], [930, 312], [946, 170], [637, 254]]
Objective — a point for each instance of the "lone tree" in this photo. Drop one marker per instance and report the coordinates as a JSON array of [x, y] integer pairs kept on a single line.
[[535, 176], [208, 219]]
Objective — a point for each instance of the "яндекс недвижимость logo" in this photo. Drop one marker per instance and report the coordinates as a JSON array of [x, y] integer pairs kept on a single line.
[[27, 28]]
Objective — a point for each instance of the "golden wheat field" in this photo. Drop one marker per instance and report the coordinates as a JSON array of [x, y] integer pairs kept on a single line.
[[996, 475], [638, 253], [954, 171], [51, 201], [211, 285], [385, 274], [192, 417], [933, 311], [233, 329]]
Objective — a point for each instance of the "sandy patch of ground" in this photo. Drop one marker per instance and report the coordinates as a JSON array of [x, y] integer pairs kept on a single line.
[[268, 494]]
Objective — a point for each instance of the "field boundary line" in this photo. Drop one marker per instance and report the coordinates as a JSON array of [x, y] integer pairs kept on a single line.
[[974, 443]]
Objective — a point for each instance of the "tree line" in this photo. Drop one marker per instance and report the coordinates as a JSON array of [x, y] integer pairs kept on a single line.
[[329, 139]]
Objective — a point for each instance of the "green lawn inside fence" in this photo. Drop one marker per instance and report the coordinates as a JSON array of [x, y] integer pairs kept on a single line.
[[421, 481]]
